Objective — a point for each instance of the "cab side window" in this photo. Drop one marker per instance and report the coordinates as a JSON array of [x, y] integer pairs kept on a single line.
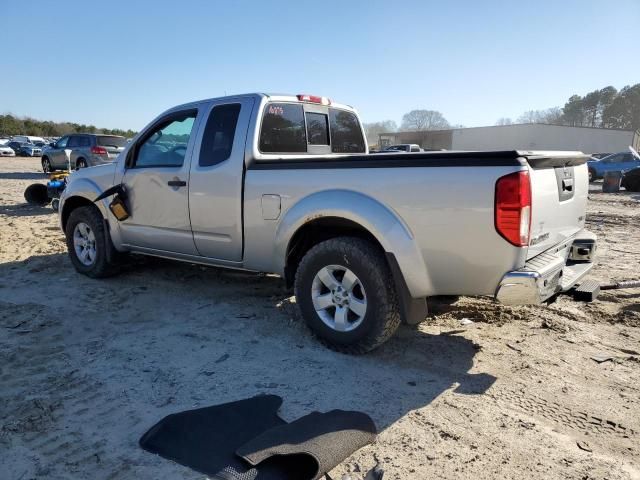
[[165, 145], [73, 142], [62, 143], [219, 133]]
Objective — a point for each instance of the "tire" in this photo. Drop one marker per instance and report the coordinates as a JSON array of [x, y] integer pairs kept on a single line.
[[632, 185], [46, 165], [81, 163], [592, 175], [374, 284], [37, 194], [103, 262]]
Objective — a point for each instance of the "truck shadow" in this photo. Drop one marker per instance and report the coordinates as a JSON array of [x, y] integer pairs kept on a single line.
[[22, 176], [25, 210], [197, 336]]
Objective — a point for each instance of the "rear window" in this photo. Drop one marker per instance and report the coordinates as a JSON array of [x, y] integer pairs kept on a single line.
[[283, 129], [317, 128], [111, 141], [75, 142], [346, 134]]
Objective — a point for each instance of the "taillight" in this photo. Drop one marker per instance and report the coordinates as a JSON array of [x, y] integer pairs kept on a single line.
[[99, 150], [513, 208], [314, 99]]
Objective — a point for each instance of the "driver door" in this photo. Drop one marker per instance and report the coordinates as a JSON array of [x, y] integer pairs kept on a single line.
[[156, 179], [56, 154]]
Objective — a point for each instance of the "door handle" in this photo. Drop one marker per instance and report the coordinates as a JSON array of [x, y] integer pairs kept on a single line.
[[177, 183]]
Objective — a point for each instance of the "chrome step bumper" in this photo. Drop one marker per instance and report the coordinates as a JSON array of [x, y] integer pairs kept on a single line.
[[549, 273]]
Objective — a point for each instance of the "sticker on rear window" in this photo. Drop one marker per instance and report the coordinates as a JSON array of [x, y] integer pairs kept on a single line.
[[276, 110]]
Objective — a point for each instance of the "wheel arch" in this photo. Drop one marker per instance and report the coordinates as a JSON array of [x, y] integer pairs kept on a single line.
[[71, 204], [332, 213]]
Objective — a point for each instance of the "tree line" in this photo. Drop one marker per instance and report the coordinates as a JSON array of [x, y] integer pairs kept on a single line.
[[604, 108], [11, 125]]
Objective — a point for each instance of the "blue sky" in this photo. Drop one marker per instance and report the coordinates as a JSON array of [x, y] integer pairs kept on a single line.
[[122, 63]]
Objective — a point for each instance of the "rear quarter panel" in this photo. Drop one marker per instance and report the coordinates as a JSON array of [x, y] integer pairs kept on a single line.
[[448, 211]]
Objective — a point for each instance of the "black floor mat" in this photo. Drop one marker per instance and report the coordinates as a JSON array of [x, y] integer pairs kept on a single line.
[[313, 444], [206, 439], [246, 440]]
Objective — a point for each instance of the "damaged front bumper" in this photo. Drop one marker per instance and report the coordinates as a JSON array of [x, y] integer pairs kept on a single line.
[[556, 270]]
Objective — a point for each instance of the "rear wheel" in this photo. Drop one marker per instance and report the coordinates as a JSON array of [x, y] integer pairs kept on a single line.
[[46, 165], [592, 175], [81, 163], [89, 244], [344, 290], [632, 185]]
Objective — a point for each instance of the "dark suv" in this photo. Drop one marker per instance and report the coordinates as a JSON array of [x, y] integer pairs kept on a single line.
[[87, 150]]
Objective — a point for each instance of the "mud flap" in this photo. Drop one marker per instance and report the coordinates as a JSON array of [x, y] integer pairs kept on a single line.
[[412, 310]]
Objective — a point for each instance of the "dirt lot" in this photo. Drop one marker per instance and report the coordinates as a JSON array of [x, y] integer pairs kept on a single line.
[[87, 366]]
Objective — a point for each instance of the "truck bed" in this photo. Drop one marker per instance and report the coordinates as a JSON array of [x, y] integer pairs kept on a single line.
[[445, 199]]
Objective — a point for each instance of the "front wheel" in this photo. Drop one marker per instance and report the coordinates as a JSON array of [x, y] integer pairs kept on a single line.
[[89, 245], [344, 290]]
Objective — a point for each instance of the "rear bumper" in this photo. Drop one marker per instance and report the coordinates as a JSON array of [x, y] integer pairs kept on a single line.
[[556, 270]]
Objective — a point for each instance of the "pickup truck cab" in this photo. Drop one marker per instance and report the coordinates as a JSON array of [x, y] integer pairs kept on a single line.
[[284, 184]]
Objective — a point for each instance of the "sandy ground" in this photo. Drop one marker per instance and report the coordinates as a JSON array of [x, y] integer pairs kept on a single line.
[[86, 366]]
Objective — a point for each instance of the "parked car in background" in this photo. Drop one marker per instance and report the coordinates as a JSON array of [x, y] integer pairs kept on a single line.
[[87, 150], [616, 162], [4, 141], [284, 184], [6, 151], [402, 147], [17, 147], [31, 150], [27, 139], [631, 180], [598, 156]]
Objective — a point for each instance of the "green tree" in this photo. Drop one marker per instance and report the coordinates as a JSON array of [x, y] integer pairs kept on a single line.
[[11, 125], [590, 104], [573, 111], [607, 96]]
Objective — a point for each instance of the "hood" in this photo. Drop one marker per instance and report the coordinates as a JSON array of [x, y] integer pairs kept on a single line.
[[102, 170]]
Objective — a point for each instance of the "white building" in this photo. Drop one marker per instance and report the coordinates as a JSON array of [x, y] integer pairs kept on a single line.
[[530, 136]]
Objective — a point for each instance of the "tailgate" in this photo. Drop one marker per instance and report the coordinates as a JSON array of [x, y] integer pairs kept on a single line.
[[559, 189]]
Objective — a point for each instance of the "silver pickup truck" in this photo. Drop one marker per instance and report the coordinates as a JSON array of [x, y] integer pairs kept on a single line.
[[284, 184]]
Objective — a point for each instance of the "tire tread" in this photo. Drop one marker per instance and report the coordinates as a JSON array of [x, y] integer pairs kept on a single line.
[[102, 268], [388, 319]]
